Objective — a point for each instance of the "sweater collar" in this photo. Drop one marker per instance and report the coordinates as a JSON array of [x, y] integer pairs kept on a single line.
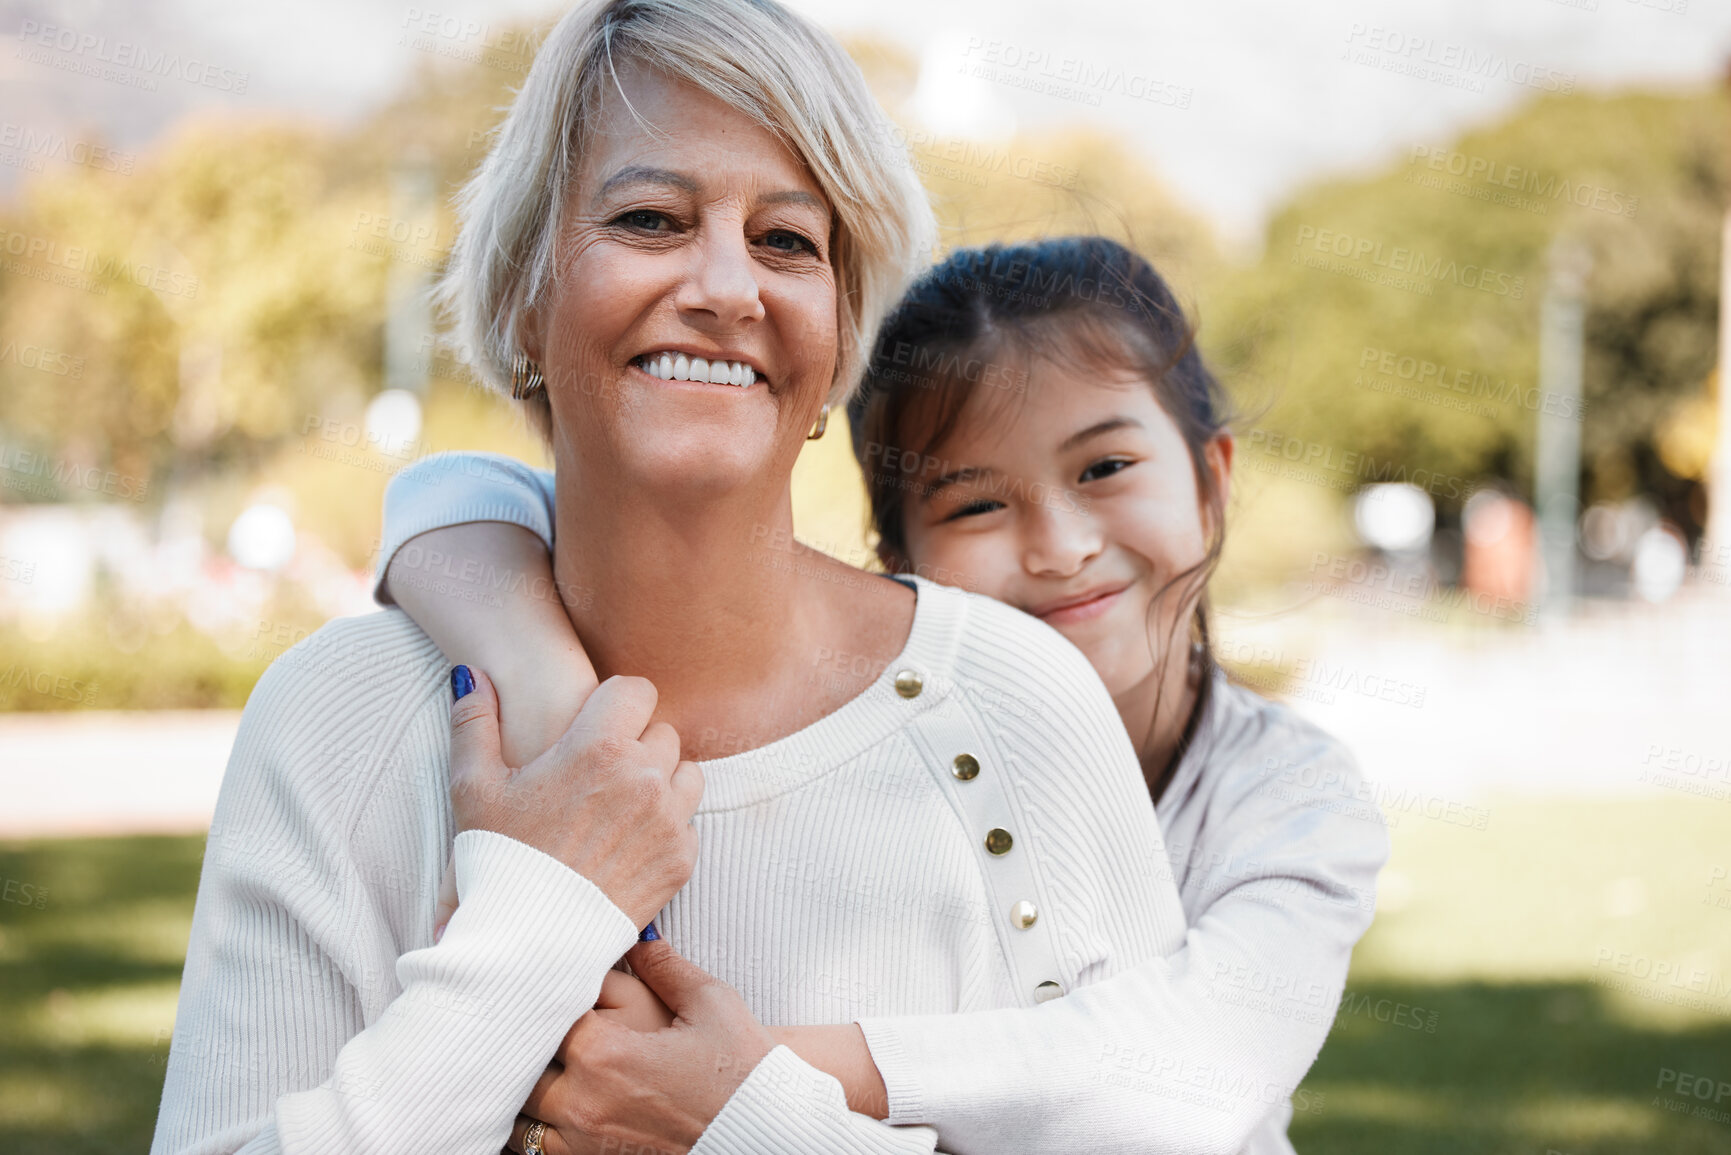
[[750, 777]]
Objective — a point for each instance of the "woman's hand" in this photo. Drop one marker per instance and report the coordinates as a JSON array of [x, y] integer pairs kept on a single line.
[[611, 799], [614, 1088]]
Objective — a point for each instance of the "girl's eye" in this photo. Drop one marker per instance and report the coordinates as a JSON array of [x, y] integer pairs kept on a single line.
[[1105, 468], [789, 242], [975, 508], [647, 220]]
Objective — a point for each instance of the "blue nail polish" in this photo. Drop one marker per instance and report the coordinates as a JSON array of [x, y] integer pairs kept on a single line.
[[649, 934], [462, 683]]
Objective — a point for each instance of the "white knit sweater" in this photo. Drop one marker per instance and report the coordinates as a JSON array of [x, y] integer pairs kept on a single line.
[[1275, 844], [842, 873]]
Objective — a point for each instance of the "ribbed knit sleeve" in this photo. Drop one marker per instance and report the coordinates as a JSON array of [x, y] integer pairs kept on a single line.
[[315, 1014], [787, 1107], [446, 489], [1189, 1053]]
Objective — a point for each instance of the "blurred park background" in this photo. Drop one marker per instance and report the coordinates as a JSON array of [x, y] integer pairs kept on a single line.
[[1460, 264]]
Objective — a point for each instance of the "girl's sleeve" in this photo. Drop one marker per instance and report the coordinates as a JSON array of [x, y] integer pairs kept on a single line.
[[315, 1014], [447, 489], [787, 1107], [1189, 1053]]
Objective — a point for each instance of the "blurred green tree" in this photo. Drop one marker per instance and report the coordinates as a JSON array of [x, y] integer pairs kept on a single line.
[[263, 290], [1440, 260], [214, 301]]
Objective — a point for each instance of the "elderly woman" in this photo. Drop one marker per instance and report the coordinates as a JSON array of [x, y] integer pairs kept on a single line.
[[677, 253]]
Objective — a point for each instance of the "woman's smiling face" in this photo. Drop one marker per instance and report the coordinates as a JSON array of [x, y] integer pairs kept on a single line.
[[1076, 503], [693, 234]]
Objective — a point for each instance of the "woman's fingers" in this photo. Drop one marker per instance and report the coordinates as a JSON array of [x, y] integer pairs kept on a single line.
[[551, 1142], [687, 789], [661, 741], [538, 1104], [481, 787], [475, 760], [675, 980], [619, 706]]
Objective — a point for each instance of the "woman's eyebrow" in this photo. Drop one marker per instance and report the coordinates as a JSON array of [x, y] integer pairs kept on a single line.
[[645, 174], [795, 196], [1096, 429]]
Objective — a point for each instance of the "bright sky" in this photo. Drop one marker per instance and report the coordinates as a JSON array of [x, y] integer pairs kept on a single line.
[[1234, 102]]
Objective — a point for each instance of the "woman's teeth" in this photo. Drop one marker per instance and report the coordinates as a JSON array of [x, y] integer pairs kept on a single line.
[[679, 367]]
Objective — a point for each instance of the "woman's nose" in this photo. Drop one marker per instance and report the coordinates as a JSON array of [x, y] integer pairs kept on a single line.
[[1058, 542], [722, 290]]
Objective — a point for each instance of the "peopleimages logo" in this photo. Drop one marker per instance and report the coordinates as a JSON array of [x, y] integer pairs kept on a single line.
[[925, 363], [1355, 466], [1484, 178], [42, 359], [61, 474], [1400, 259], [1446, 62], [49, 684], [78, 259], [1472, 383], [1041, 70], [58, 146], [90, 49]]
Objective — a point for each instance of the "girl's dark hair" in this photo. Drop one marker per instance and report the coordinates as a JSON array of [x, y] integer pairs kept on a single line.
[[976, 321]]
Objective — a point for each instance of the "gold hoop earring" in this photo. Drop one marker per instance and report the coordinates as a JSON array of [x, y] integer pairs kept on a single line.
[[822, 424], [526, 379]]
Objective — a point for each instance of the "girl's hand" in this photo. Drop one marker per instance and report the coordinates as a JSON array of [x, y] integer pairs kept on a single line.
[[611, 799], [517, 628], [446, 903], [840, 1050], [628, 1001]]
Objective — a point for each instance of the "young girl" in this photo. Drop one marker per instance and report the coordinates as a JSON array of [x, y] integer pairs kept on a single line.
[[1036, 425]]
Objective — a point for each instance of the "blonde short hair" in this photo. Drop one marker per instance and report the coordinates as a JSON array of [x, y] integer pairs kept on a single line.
[[753, 55]]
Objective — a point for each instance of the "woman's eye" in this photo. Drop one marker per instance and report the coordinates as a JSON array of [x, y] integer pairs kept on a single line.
[[789, 242], [1105, 468], [975, 508], [647, 220]]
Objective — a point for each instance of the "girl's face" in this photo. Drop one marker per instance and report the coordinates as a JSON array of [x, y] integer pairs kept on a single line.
[[1076, 503]]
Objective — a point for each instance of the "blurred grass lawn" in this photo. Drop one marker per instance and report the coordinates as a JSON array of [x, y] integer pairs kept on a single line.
[[1494, 931]]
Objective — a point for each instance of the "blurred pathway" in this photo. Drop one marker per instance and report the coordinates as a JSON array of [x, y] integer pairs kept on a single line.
[[1626, 699], [112, 772]]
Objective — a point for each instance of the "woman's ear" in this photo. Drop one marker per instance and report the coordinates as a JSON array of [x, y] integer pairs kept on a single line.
[[530, 336]]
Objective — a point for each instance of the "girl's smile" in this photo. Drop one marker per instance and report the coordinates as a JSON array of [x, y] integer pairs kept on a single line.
[[1082, 607], [1077, 503]]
